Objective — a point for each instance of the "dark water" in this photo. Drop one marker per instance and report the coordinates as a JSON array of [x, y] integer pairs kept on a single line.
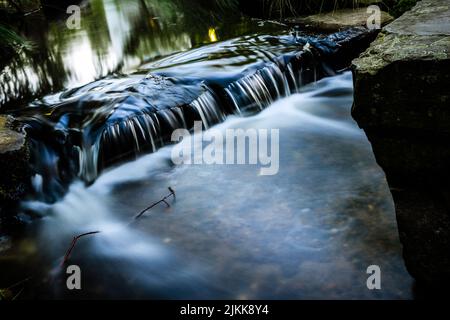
[[310, 231]]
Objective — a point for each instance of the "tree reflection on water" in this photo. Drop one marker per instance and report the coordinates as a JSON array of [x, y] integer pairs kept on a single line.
[[114, 37]]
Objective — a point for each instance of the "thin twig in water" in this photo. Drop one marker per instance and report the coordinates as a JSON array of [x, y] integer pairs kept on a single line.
[[171, 194], [74, 242]]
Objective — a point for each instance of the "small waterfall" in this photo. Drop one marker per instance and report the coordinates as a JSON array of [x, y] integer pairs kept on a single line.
[[208, 108], [148, 130], [113, 120], [258, 90]]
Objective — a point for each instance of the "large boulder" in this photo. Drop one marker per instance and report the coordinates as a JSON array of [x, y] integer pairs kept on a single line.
[[14, 165], [402, 101]]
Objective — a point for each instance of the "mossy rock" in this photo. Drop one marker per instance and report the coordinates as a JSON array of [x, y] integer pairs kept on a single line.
[[14, 164]]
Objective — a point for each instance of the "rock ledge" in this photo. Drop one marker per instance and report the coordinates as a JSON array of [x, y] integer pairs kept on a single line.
[[402, 101], [15, 172]]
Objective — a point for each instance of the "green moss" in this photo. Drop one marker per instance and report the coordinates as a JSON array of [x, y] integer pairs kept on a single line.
[[14, 156], [389, 48]]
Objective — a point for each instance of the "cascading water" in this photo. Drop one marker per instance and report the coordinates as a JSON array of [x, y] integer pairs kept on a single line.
[[85, 130], [309, 231]]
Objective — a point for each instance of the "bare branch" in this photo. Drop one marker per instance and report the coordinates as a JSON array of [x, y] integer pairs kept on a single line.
[[171, 194], [74, 242]]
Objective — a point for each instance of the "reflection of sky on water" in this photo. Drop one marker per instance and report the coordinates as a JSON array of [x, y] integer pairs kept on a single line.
[[310, 231]]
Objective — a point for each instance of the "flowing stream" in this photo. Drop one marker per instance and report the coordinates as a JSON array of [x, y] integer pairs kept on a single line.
[[310, 231], [101, 155]]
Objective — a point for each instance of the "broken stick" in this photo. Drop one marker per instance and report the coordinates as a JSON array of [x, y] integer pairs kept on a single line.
[[74, 242], [171, 194]]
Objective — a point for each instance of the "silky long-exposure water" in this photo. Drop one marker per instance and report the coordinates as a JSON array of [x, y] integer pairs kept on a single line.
[[309, 231], [114, 90]]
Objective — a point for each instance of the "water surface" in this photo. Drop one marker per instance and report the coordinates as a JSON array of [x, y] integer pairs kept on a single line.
[[310, 231], [114, 37]]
